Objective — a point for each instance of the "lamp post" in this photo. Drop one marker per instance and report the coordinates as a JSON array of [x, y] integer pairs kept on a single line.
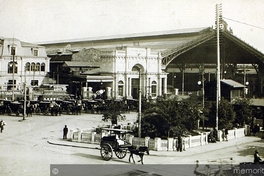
[[25, 95], [139, 108], [13, 53], [201, 83], [246, 83]]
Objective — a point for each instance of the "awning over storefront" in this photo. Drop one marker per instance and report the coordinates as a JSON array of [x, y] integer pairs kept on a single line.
[[232, 83], [91, 78]]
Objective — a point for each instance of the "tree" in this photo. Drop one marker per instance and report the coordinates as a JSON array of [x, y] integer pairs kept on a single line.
[[226, 114], [243, 111], [169, 118], [112, 111]]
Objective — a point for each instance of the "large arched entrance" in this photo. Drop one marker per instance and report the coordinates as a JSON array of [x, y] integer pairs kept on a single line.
[[137, 80]]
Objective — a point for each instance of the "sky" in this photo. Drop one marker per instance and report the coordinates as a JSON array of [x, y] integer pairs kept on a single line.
[[37, 21]]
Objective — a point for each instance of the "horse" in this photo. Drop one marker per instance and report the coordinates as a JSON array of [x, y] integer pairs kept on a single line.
[[138, 150]]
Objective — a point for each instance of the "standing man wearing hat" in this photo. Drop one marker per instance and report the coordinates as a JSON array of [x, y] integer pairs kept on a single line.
[[65, 132]]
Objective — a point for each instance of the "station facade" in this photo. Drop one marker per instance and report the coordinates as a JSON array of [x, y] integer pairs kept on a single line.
[[154, 64], [119, 73]]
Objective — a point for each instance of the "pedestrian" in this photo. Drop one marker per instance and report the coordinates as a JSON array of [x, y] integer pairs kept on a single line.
[[257, 158], [256, 129], [179, 146], [215, 134], [226, 134], [65, 132], [2, 124]]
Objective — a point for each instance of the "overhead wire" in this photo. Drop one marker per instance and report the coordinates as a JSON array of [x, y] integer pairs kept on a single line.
[[243, 23]]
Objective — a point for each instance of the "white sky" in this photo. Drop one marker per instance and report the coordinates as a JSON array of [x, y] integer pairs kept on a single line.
[[51, 20]]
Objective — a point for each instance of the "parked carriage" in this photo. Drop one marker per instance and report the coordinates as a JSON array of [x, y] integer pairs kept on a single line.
[[68, 107], [114, 142], [14, 107], [43, 108], [2, 106]]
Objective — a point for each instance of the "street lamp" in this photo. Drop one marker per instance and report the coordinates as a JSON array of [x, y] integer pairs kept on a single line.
[[13, 53], [139, 108], [25, 95]]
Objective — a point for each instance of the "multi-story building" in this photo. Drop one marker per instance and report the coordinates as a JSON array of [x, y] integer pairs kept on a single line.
[[20, 63]]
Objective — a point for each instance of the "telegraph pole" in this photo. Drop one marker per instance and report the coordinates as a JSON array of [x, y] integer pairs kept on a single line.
[[13, 53], [25, 95], [218, 86], [139, 107]]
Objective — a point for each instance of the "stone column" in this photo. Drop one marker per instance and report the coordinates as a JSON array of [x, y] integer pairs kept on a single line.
[[147, 141], [84, 93], [170, 144], [108, 92], [157, 144], [89, 93]]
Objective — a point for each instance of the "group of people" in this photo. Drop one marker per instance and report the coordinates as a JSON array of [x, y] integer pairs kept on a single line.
[[213, 135]]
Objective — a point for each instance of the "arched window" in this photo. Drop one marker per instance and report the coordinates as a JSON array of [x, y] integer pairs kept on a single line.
[[42, 67], [33, 67], [135, 69], [120, 88], [27, 66], [37, 66], [154, 89], [10, 67]]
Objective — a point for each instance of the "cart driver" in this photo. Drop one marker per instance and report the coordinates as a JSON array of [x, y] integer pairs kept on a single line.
[[119, 140]]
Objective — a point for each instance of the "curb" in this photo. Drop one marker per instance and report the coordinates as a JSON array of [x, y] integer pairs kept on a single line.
[[76, 146]]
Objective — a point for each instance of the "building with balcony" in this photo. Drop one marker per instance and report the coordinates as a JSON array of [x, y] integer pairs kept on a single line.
[[20, 63]]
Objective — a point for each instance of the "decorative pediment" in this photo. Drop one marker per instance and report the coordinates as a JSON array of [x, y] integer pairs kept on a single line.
[[87, 55]]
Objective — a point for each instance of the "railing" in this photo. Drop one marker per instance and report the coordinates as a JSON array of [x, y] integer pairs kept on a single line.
[[157, 144]]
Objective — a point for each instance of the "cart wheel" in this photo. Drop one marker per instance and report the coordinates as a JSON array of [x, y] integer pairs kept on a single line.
[[106, 152], [121, 153], [46, 112], [38, 111]]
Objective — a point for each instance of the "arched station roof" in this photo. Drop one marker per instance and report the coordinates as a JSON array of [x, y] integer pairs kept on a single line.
[[183, 46], [204, 50]]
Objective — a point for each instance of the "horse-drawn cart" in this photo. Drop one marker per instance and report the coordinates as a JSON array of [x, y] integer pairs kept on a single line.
[[114, 142]]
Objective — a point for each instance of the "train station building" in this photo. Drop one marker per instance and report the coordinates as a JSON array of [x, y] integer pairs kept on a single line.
[[173, 62]]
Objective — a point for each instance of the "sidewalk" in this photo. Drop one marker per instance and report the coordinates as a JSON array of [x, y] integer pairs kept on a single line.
[[189, 151]]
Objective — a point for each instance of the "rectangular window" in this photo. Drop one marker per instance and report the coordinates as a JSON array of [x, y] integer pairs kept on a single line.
[[13, 50], [35, 52], [154, 90], [34, 82], [10, 84], [120, 90]]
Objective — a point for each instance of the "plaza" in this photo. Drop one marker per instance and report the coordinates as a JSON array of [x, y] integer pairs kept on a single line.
[[30, 146]]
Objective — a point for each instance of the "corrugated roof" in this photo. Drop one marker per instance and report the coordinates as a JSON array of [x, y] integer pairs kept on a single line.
[[232, 83], [134, 35]]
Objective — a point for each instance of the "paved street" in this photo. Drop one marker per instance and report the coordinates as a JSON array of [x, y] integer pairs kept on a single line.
[[25, 149]]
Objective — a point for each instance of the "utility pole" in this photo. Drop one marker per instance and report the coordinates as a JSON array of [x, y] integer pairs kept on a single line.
[[25, 95], [218, 86], [139, 106], [13, 53]]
